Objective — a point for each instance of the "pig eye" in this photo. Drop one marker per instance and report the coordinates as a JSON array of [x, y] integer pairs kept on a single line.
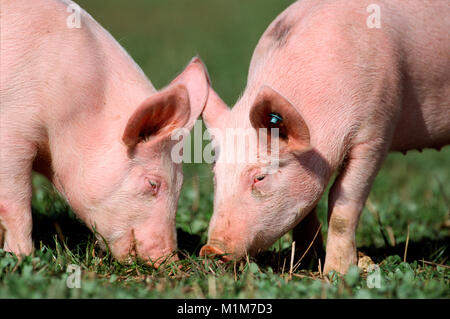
[[259, 178], [154, 186]]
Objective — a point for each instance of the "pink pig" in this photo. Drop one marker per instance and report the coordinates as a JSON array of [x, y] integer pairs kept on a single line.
[[345, 92], [75, 107]]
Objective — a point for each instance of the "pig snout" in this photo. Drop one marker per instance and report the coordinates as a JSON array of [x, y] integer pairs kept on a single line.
[[228, 239], [224, 250], [213, 251], [156, 249]]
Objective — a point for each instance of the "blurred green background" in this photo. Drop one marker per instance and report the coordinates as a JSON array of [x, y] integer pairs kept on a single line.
[[162, 36]]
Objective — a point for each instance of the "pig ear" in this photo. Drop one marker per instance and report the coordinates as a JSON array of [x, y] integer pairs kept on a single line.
[[272, 110], [158, 116], [214, 110], [196, 79]]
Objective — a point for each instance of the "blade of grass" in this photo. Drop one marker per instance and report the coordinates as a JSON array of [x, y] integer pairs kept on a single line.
[[406, 246], [292, 260]]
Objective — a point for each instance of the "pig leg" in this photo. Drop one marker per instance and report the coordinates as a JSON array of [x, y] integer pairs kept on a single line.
[[303, 235], [15, 197], [346, 201]]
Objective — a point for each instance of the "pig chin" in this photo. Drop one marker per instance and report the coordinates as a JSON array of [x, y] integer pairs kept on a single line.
[[260, 240]]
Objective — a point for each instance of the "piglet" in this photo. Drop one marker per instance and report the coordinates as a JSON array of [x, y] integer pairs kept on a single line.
[[76, 108], [343, 82]]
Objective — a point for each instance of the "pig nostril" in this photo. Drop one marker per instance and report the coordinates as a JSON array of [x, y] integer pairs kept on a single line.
[[210, 250], [213, 252]]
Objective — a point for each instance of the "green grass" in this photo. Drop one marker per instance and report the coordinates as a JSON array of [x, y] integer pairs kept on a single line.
[[162, 35]]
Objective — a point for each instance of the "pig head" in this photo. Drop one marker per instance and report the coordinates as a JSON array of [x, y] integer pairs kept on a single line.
[[266, 192], [128, 193]]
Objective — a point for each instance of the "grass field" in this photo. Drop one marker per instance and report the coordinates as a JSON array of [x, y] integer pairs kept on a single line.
[[410, 198]]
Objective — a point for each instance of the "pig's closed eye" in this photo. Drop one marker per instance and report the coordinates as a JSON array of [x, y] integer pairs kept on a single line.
[[259, 178], [153, 186]]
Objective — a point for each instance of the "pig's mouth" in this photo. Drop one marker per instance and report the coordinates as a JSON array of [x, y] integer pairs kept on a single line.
[[164, 259], [167, 259]]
